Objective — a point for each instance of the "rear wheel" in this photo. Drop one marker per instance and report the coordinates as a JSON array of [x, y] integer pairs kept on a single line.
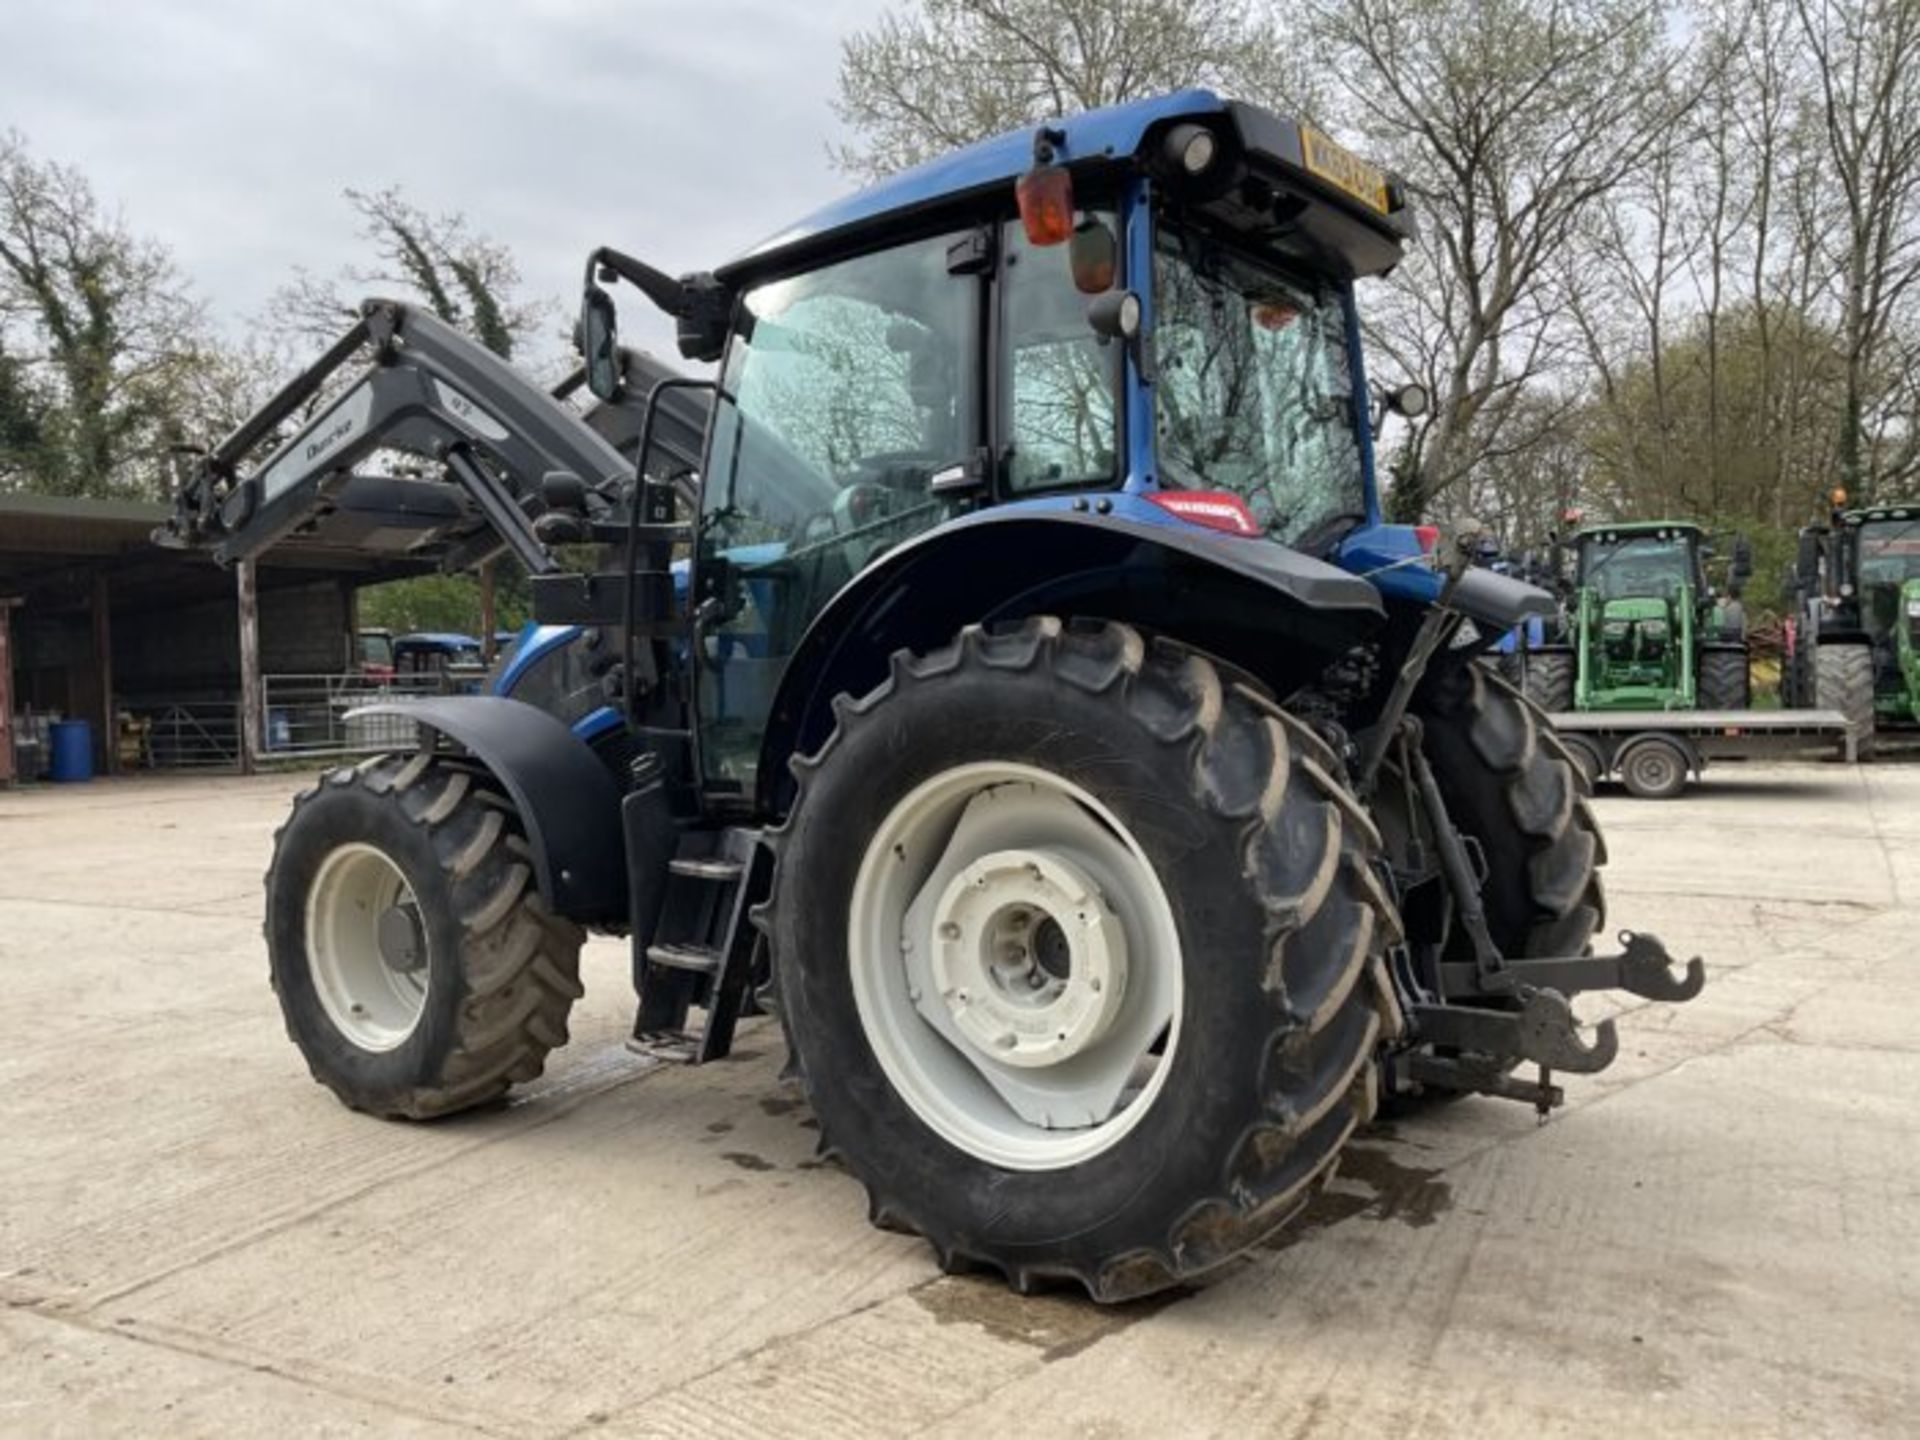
[[1843, 681], [1548, 681], [1725, 680], [1080, 954], [1519, 792], [417, 968], [1653, 769], [1512, 784]]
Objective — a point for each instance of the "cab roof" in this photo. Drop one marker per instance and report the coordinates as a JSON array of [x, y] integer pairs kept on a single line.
[[1638, 527], [1891, 510], [1114, 135]]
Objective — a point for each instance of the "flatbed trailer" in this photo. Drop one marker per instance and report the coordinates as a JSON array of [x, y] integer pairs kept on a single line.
[[1655, 752]]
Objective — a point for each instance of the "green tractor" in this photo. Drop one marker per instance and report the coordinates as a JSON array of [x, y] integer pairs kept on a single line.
[[1854, 643], [1642, 629]]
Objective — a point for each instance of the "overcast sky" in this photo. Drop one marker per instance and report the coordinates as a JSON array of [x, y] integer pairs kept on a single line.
[[227, 129]]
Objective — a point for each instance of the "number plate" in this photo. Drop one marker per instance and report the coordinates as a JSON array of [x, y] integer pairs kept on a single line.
[[1340, 167]]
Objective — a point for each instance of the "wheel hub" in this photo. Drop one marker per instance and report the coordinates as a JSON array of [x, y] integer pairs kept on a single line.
[[402, 943], [1029, 957]]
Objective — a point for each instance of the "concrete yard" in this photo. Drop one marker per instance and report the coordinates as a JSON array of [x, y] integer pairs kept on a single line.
[[1720, 1235]]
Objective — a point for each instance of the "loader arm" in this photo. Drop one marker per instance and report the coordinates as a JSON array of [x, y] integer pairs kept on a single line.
[[489, 437]]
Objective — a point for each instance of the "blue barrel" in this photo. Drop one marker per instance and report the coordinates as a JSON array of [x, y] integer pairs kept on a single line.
[[71, 744]]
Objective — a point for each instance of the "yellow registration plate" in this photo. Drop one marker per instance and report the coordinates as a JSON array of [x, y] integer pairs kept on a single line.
[[1339, 166]]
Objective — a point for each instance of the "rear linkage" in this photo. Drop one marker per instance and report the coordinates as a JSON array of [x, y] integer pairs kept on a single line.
[[1515, 1008]]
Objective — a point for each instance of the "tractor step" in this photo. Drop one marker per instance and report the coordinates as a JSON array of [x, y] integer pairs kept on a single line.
[[702, 952], [697, 958], [705, 869]]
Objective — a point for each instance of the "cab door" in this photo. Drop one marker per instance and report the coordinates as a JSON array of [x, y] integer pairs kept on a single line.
[[847, 392]]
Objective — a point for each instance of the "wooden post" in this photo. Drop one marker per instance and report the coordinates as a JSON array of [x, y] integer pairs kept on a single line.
[[350, 604], [253, 723], [103, 671], [488, 624], [6, 690]]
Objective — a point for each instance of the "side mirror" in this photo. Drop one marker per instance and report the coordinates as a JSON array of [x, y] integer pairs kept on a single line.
[[1742, 558], [1093, 255], [598, 341], [1806, 560]]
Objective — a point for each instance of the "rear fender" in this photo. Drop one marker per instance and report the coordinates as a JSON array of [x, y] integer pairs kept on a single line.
[[565, 795], [1278, 614]]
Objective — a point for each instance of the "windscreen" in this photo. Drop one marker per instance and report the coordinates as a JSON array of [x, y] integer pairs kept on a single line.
[[1636, 565], [1889, 551]]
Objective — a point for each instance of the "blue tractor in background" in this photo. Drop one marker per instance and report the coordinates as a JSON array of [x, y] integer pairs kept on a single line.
[[998, 668]]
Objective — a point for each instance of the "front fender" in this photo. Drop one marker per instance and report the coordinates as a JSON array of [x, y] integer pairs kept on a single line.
[[565, 796], [1274, 612]]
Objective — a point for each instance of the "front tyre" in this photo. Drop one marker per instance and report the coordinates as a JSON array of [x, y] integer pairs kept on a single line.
[[1079, 951], [1725, 680], [417, 968]]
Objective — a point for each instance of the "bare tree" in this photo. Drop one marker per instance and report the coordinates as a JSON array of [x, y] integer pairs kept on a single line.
[[464, 277], [99, 331], [948, 72], [1513, 121], [1865, 56]]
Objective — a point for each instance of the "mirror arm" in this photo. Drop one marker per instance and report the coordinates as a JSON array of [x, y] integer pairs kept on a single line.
[[658, 286]]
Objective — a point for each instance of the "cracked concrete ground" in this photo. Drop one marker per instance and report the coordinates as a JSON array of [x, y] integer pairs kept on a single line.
[[1720, 1234]]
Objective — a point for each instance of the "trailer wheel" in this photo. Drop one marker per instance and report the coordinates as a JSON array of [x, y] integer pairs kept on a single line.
[[1843, 681], [1548, 681], [1725, 680], [417, 968], [1654, 768], [1079, 950]]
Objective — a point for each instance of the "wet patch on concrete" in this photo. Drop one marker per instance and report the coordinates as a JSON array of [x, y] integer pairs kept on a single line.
[[1412, 1194], [1058, 1324], [781, 1104], [720, 1127], [1370, 1182], [746, 1161]]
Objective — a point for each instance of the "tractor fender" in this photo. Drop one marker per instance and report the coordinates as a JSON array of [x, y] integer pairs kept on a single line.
[[565, 795], [1274, 612]]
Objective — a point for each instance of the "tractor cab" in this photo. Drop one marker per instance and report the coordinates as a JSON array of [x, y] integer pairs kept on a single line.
[[1141, 316], [1880, 565]]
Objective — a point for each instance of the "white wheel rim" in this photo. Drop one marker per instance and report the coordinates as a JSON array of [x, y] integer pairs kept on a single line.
[[374, 1002], [1015, 965]]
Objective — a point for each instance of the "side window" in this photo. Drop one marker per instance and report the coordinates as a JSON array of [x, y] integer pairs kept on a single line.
[[1061, 379], [847, 390]]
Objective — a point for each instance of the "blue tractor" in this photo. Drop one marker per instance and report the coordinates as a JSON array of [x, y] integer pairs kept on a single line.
[[999, 669]]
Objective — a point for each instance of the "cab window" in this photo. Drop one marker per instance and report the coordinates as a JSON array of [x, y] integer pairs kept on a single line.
[[1062, 379]]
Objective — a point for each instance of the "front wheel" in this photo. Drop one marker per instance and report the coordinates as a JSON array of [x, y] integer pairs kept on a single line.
[[417, 968], [1843, 681], [1079, 951]]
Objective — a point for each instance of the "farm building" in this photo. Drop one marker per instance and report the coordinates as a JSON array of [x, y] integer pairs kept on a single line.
[[97, 623]]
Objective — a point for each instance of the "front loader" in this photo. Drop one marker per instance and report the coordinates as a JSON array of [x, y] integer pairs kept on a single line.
[[1017, 691], [1642, 630]]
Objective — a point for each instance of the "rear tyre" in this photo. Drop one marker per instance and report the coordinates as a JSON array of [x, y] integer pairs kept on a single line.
[[1000, 825], [1548, 681], [1512, 784], [1843, 681], [1725, 680], [1519, 792], [417, 968]]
